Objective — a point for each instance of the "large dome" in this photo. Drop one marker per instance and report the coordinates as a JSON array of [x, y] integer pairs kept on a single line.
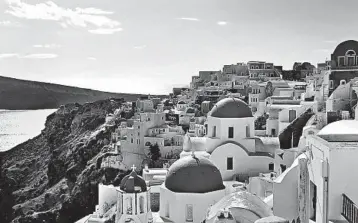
[[193, 175], [231, 108]]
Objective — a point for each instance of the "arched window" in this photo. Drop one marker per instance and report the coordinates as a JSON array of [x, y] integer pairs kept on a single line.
[[129, 205], [141, 204], [351, 58]]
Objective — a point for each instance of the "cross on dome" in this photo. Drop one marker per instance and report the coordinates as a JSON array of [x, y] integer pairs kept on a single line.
[[133, 168]]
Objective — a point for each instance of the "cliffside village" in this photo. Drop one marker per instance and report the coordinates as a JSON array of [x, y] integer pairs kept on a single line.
[[243, 144]]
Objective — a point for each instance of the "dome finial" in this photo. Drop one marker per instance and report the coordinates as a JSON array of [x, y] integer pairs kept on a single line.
[[133, 168]]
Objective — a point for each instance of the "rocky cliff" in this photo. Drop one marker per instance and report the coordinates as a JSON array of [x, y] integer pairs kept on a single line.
[[54, 176]]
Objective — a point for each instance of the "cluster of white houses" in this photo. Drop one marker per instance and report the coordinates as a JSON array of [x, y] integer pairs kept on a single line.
[[219, 167]]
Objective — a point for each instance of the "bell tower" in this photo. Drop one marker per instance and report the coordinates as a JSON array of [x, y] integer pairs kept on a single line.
[[133, 203]]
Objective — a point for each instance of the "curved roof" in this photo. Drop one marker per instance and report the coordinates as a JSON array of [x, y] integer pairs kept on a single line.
[[181, 103], [343, 47], [193, 175], [132, 182], [241, 200], [231, 108], [194, 143], [340, 131], [190, 110]]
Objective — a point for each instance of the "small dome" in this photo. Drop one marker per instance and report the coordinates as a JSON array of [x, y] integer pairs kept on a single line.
[[231, 108], [190, 110], [340, 131], [241, 203], [193, 175], [133, 183], [181, 103]]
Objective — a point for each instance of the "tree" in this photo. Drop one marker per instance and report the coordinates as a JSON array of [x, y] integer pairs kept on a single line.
[[269, 89], [260, 122], [154, 152]]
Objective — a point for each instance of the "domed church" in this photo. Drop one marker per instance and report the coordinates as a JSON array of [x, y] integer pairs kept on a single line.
[[192, 185], [232, 144]]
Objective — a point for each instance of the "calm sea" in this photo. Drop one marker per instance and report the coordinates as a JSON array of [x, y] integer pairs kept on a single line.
[[18, 126]]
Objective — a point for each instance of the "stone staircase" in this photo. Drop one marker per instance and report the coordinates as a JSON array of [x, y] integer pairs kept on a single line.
[[290, 136]]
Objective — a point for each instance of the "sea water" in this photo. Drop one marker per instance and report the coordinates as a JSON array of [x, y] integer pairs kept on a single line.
[[18, 126]]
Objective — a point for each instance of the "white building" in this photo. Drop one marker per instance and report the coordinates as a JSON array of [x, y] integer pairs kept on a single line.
[[322, 178], [231, 142], [130, 202], [194, 183]]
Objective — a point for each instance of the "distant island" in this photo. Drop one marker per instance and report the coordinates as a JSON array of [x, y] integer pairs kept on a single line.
[[16, 94]]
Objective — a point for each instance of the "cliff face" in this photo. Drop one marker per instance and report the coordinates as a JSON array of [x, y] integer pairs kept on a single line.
[[54, 177], [23, 94]]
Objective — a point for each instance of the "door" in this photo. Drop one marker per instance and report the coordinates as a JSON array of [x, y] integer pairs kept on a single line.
[[292, 115]]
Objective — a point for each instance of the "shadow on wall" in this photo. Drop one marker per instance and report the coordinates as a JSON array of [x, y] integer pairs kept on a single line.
[[290, 137]]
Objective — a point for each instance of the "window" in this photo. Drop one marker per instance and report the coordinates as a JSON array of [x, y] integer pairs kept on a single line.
[[247, 131], [229, 163], [189, 213], [340, 61], [271, 167], [141, 204], [231, 132], [273, 132], [131, 140], [129, 205], [206, 127], [167, 214], [331, 84], [214, 131]]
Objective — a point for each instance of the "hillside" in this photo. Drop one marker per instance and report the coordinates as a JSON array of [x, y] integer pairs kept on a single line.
[[24, 94], [54, 177]]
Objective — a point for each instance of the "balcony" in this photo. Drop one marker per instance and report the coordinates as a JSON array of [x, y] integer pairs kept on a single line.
[[344, 68], [349, 210]]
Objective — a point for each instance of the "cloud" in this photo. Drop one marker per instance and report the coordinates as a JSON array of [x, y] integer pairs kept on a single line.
[[221, 23], [89, 18], [93, 11], [189, 19], [8, 55], [40, 56], [104, 31], [91, 58], [47, 46], [140, 47], [9, 24]]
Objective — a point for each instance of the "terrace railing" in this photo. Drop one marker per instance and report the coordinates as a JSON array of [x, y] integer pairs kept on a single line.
[[349, 210]]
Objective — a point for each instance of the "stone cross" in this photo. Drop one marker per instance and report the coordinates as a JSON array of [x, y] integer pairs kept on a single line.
[[134, 168]]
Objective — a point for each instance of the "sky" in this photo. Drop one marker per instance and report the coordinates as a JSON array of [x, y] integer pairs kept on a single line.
[[151, 46]]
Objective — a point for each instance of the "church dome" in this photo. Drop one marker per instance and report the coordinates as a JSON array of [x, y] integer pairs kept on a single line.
[[231, 108], [193, 175], [181, 103], [133, 183], [340, 131]]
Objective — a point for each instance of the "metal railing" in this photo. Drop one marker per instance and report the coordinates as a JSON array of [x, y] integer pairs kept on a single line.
[[349, 210]]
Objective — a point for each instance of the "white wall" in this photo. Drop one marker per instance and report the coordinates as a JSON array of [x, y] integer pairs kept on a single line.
[[222, 130], [343, 177], [177, 209], [242, 163], [285, 192], [107, 197]]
